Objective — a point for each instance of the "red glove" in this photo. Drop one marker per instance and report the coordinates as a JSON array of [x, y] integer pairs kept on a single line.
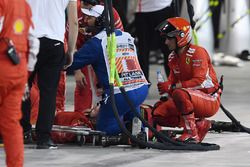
[[164, 87]]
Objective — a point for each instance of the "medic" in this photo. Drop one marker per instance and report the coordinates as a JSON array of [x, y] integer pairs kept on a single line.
[[94, 52]]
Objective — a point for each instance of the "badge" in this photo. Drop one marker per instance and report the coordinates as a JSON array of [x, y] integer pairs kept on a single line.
[[188, 60]]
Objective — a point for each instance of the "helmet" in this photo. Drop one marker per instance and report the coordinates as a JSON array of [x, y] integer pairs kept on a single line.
[[178, 28], [91, 2]]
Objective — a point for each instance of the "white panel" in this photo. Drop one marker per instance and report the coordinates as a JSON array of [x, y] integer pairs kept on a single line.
[[239, 35]]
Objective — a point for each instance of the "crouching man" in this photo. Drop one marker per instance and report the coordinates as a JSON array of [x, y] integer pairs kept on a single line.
[[192, 84]]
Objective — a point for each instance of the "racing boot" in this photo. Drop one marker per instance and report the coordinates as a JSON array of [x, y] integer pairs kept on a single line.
[[203, 125], [190, 133]]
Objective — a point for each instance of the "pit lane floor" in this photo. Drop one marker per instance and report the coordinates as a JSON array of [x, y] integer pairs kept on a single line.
[[234, 152]]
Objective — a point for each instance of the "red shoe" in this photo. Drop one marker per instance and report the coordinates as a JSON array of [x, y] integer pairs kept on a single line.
[[190, 133], [203, 126], [188, 138]]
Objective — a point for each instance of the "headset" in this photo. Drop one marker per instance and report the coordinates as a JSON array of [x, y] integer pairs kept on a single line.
[[100, 21]]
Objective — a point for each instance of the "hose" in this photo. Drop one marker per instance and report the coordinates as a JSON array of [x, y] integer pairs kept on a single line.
[[234, 120]]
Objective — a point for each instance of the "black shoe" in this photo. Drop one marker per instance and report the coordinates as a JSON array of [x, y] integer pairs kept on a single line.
[[27, 137], [46, 145]]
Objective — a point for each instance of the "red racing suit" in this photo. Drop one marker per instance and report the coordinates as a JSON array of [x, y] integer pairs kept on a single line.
[[15, 21], [194, 71]]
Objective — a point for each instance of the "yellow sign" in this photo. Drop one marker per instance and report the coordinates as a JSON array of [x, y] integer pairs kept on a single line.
[[18, 26]]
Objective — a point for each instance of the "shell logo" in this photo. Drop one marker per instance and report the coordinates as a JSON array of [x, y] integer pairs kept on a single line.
[[18, 26], [184, 28]]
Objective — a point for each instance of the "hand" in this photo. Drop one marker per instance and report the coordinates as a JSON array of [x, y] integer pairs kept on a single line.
[[69, 60], [80, 79], [164, 87], [92, 112], [99, 92]]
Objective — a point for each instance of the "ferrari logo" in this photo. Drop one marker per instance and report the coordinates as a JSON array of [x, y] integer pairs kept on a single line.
[[187, 60], [18, 26]]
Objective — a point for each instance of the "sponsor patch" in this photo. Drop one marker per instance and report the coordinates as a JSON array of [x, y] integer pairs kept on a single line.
[[188, 60]]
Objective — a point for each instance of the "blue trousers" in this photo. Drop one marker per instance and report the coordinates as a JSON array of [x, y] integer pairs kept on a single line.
[[106, 120]]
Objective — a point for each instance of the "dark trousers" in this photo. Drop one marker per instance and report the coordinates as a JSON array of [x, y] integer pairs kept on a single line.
[[147, 36], [49, 64], [121, 7]]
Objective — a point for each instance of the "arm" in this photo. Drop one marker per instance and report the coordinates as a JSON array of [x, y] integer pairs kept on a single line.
[[73, 31], [171, 78], [89, 53], [166, 87], [1, 16], [34, 45], [118, 22]]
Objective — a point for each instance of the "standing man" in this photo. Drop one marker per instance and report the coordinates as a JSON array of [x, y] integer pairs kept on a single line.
[[15, 21], [94, 52], [49, 20], [192, 84], [149, 14]]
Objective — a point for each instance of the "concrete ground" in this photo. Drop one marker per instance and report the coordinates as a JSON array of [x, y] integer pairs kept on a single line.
[[234, 151]]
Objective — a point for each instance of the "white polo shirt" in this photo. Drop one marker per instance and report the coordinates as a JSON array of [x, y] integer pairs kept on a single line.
[[152, 5], [48, 17]]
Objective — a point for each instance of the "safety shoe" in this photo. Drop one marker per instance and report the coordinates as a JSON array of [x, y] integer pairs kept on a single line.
[[27, 137], [46, 145], [203, 126]]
